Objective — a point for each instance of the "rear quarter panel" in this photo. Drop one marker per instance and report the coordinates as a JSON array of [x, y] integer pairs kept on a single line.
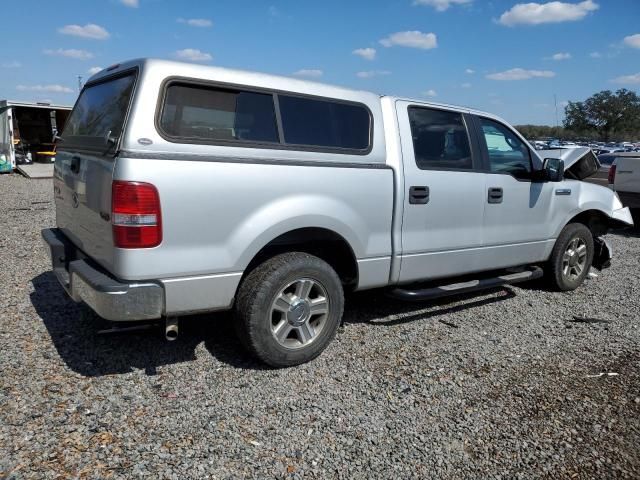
[[216, 216]]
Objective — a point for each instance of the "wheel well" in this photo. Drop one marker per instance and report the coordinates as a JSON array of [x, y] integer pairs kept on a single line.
[[594, 220], [320, 242]]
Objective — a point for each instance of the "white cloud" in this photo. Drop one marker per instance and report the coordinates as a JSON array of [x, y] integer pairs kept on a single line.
[[70, 53], [193, 55], [441, 5], [560, 56], [628, 79], [90, 30], [466, 85], [632, 41], [274, 12], [309, 72], [196, 22], [430, 93], [13, 64], [551, 12], [366, 53], [130, 3], [372, 73], [412, 39], [44, 88], [94, 70], [469, 71], [595, 55], [520, 74]]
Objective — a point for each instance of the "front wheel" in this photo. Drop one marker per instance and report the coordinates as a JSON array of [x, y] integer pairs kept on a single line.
[[571, 257], [289, 308]]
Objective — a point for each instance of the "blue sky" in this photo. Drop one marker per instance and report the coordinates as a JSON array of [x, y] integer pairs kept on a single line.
[[494, 55]]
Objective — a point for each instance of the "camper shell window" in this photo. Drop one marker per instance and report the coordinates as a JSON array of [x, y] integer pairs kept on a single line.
[[98, 117]]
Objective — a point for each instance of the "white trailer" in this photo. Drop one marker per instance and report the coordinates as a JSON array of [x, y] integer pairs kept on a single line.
[[27, 130]]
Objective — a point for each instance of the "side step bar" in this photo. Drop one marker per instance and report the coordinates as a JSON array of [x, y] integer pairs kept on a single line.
[[465, 287]]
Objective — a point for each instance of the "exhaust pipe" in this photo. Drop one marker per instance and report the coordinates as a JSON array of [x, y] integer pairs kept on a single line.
[[171, 329]]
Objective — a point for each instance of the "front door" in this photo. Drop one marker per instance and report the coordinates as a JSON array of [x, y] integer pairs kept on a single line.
[[444, 197], [518, 218]]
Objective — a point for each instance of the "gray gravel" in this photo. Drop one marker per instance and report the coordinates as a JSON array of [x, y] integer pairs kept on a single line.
[[488, 386]]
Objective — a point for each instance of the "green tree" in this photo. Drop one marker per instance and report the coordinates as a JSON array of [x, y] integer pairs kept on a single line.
[[605, 113]]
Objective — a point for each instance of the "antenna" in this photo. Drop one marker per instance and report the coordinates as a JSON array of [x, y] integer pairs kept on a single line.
[[79, 83]]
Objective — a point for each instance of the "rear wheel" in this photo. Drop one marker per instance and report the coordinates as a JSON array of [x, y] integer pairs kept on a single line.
[[571, 257], [289, 308]]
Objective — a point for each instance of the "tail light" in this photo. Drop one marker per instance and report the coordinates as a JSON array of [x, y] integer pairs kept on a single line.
[[612, 174], [135, 215]]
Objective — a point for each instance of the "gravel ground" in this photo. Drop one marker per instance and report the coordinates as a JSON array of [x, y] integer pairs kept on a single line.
[[498, 385]]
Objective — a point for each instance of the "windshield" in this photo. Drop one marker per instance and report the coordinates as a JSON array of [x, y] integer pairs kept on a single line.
[[100, 111]]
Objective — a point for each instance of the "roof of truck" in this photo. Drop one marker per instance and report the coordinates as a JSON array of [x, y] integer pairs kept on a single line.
[[175, 68]]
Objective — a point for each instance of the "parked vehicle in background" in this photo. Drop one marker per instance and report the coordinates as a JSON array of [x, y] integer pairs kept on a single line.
[[624, 177], [601, 177], [27, 131], [203, 189]]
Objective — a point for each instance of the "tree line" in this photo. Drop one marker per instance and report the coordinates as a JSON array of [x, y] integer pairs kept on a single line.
[[605, 116]]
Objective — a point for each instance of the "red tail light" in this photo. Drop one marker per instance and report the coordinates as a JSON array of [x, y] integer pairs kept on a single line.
[[135, 215], [612, 174]]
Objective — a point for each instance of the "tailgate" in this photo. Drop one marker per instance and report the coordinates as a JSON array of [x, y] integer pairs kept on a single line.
[[85, 162], [627, 174]]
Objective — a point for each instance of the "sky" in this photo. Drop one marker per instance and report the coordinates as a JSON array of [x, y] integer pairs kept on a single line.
[[502, 56]]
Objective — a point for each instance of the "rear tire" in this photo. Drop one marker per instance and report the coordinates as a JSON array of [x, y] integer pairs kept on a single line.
[[571, 258], [289, 308]]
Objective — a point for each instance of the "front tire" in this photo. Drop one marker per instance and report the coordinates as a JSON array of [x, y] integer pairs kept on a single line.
[[289, 309], [571, 257]]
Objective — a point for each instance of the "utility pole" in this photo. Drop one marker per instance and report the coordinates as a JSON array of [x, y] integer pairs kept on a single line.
[[555, 101], [79, 83]]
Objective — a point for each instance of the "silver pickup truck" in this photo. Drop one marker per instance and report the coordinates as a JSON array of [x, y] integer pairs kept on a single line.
[[182, 188]]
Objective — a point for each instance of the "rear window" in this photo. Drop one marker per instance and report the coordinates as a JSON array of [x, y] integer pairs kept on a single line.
[[212, 114], [320, 123], [100, 112]]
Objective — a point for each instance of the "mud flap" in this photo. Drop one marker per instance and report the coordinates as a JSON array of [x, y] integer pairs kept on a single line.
[[602, 255]]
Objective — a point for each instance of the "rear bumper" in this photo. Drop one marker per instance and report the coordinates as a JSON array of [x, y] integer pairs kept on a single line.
[[629, 199], [108, 297]]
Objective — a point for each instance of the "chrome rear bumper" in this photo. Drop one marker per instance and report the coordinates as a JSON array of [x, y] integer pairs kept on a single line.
[[108, 297]]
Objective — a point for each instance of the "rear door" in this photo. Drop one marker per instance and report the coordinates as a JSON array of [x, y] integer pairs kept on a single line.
[[518, 218], [85, 161], [444, 193]]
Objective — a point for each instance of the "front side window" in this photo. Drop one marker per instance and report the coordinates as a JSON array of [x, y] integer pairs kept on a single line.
[[507, 153], [440, 139], [323, 123], [203, 113]]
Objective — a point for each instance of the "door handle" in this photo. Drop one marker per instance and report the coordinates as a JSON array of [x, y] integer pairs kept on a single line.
[[419, 195], [495, 195], [75, 165]]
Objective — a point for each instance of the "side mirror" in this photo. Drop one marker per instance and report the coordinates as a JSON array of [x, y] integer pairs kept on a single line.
[[553, 170]]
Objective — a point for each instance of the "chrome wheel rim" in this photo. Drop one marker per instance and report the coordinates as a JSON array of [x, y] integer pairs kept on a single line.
[[574, 260], [299, 313]]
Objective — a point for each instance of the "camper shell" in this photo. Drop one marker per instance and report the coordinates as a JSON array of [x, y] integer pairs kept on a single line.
[[27, 131]]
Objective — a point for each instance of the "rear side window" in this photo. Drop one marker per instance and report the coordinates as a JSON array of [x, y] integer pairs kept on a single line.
[[440, 139], [203, 113], [320, 123], [100, 111]]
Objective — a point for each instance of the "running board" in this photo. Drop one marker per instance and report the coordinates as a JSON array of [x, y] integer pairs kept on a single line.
[[465, 287]]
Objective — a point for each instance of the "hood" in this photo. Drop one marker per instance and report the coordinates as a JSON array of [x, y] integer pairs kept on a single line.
[[579, 163]]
